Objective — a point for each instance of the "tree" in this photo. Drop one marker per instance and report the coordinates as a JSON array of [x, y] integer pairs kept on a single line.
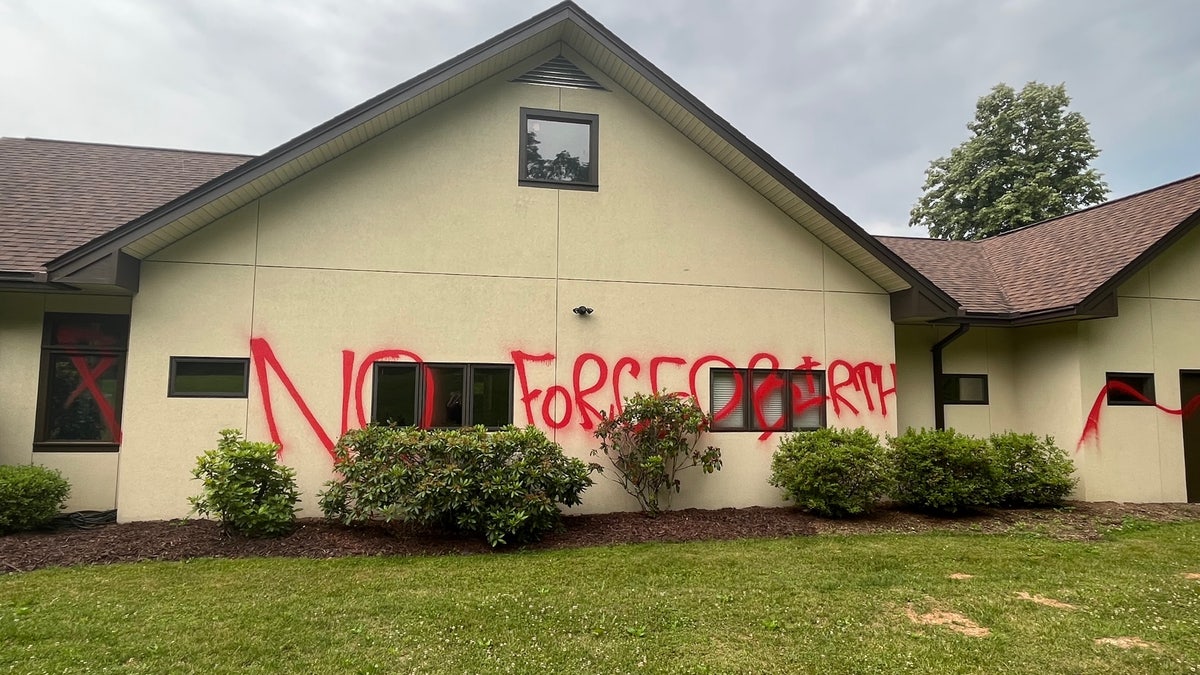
[[1027, 160]]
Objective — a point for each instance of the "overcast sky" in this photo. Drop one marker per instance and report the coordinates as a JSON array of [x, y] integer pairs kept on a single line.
[[854, 96]]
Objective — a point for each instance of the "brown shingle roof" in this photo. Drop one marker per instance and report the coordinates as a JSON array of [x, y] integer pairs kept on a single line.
[[1054, 264], [57, 195]]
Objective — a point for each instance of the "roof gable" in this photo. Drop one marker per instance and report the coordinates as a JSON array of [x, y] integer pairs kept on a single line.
[[576, 31]]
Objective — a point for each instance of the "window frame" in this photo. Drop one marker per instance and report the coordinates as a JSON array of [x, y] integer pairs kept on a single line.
[[1147, 388], [593, 122], [172, 392], [50, 350], [468, 369], [750, 419], [956, 387]]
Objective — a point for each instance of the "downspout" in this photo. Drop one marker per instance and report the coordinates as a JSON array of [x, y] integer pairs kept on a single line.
[[939, 407]]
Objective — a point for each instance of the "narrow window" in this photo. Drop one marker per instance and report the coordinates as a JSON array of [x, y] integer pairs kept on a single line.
[[83, 375], [491, 395], [728, 399], [965, 389], [395, 397], [558, 149], [1130, 388], [808, 400], [208, 377]]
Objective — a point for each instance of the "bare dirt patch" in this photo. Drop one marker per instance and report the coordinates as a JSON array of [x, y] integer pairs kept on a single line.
[[317, 538], [952, 620], [1191, 575], [961, 576], [1127, 643], [1041, 600]]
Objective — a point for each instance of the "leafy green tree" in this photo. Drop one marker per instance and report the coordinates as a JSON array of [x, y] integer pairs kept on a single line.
[[1027, 160]]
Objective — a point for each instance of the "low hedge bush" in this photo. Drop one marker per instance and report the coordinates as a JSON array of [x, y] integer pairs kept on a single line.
[[245, 487], [1033, 471], [504, 485], [832, 472], [30, 497], [943, 471]]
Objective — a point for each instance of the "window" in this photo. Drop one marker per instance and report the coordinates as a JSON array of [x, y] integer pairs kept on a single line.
[[965, 389], [455, 395], [775, 400], [208, 377], [1130, 388], [558, 149], [83, 373]]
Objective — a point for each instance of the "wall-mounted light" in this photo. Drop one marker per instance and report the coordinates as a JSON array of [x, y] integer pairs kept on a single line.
[[582, 310]]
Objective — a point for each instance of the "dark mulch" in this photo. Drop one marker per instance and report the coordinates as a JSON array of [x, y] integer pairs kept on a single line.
[[313, 538]]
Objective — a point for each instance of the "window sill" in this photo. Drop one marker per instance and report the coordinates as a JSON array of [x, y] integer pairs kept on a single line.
[[75, 446], [588, 187]]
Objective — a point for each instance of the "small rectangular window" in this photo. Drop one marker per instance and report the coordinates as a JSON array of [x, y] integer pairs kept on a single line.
[[455, 395], [558, 149], [209, 377], [965, 389], [767, 400], [1130, 388]]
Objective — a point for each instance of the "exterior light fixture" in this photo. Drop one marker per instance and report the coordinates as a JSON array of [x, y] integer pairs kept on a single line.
[[582, 310]]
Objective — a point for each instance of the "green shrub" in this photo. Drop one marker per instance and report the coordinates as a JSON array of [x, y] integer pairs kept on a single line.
[[505, 485], [832, 472], [1033, 471], [30, 497], [943, 471], [652, 439], [245, 487]]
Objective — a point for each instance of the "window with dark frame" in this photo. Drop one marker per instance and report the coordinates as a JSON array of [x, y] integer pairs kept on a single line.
[[1130, 388], [767, 400], [965, 389], [208, 377], [456, 394], [559, 149], [82, 382]]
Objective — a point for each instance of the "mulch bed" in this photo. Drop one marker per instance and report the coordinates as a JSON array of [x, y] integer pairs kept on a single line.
[[315, 538]]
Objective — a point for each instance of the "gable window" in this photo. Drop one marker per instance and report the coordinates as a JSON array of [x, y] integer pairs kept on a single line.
[[558, 149], [452, 394], [767, 400], [965, 389], [1130, 388], [82, 378], [208, 377]]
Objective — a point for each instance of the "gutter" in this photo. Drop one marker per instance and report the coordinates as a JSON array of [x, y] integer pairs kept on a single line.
[[939, 406]]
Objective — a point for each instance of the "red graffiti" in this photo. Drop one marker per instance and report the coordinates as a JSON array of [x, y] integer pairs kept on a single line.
[[89, 376], [1091, 428], [262, 356], [852, 387], [865, 378]]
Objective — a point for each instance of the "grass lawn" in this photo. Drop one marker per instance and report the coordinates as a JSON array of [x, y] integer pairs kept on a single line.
[[814, 604]]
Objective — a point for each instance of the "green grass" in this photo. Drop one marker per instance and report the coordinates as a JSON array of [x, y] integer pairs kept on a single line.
[[817, 604]]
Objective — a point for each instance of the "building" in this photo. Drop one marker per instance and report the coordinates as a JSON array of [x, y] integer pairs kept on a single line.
[[526, 233]]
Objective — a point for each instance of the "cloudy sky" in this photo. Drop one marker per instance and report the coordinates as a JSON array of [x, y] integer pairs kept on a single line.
[[855, 96]]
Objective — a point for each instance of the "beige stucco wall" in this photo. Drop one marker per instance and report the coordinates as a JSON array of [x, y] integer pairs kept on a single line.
[[979, 351], [92, 474], [1138, 454], [421, 240]]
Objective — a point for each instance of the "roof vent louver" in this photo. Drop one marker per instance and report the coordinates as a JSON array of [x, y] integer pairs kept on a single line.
[[559, 72]]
